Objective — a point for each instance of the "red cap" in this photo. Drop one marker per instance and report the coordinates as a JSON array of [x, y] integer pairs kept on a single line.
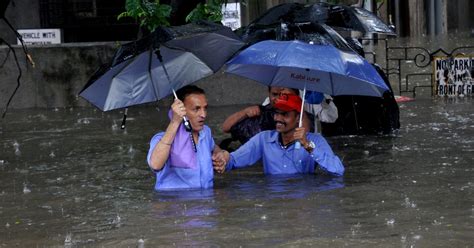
[[288, 102]]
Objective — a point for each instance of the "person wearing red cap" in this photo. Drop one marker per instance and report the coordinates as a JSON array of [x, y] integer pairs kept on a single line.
[[244, 124], [277, 150]]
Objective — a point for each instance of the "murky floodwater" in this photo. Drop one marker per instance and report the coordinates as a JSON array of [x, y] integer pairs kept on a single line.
[[73, 178]]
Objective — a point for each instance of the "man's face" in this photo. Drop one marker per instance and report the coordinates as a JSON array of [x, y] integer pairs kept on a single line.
[[196, 110], [273, 94], [287, 91], [286, 121]]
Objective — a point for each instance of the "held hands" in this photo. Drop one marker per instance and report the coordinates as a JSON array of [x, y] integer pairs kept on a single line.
[[219, 160], [252, 111], [179, 111]]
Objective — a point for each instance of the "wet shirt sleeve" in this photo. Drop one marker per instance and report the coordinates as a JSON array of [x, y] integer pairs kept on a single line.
[[325, 157], [247, 154], [153, 142]]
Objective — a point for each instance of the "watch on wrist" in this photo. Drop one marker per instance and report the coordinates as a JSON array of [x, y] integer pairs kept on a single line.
[[310, 146]]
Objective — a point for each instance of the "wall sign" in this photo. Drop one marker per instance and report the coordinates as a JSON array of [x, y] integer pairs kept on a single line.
[[40, 36], [453, 76]]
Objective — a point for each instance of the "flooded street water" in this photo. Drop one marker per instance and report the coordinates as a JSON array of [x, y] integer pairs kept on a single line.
[[73, 178]]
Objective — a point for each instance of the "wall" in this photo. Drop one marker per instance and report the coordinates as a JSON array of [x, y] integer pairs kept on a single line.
[[62, 70], [417, 21], [21, 15]]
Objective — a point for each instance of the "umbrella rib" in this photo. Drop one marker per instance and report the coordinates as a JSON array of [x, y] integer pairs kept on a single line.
[[123, 68], [129, 62], [151, 76], [332, 84]]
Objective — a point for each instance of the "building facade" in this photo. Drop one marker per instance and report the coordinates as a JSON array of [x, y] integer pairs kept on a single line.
[[96, 20]]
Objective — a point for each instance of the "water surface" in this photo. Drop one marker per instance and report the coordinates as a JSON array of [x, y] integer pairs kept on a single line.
[[73, 178]]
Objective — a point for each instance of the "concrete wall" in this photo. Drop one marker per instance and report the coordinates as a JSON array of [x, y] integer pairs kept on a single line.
[[62, 70], [417, 19], [21, 15]]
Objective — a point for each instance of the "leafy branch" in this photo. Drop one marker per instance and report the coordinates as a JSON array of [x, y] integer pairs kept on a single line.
[[211, 11], [150, 15]]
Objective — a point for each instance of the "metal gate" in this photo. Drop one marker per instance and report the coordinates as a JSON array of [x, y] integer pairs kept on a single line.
[[421, 59]]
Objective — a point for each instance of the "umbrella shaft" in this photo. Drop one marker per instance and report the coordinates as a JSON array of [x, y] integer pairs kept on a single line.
[[174, 93], [302, 105]]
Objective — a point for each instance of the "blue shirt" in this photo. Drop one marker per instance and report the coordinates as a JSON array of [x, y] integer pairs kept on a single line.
[[277, 160], [170, 177]]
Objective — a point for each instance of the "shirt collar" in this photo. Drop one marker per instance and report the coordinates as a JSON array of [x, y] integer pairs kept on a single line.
[[202, 133], [273, 137]]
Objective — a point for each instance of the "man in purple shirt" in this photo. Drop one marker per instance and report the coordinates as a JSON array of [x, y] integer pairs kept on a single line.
[[179, 158], [276, 148]]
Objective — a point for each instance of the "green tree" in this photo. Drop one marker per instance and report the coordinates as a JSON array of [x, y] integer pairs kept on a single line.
[[149, 14], [210, 11]]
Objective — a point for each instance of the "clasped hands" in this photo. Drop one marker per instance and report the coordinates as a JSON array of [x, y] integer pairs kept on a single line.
[[220, 160]]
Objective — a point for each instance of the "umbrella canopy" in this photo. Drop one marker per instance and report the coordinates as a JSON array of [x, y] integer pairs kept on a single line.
[[341, 16], [136, 75], [318, 33], [297, 64]]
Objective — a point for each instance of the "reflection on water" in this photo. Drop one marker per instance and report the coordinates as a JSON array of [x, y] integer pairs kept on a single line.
[[72, 178]]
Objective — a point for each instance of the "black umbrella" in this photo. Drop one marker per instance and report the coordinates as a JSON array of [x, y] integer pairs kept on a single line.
[[316, 33], [151, 68], [341, 16]]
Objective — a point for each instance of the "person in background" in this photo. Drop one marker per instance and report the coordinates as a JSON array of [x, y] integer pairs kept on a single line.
[[179, 158], [244, 124], [276, 148], [321, 107]]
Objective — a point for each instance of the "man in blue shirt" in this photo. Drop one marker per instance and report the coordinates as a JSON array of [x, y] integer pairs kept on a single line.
[[276, 148], [180, 158]]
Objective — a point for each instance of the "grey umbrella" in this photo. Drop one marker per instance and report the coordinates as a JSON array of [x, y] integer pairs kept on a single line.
[[136, 75]]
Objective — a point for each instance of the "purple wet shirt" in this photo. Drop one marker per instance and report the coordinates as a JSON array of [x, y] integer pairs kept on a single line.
[[183, 176], [182, 153]]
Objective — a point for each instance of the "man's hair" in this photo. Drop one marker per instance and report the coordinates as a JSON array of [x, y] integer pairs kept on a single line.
[[296, 91], [188, 90]]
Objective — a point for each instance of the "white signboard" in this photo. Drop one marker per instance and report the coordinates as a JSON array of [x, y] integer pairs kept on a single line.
[[231, 15], [40, 36], [453, 75]]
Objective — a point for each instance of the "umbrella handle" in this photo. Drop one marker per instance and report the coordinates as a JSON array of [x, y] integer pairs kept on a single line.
[[186, 123], [298, 145], [124, 118], [300, 124]]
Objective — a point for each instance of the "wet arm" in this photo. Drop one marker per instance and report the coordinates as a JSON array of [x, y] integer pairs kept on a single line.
[[248, 154], [238, 116], [161, 151], [326, 159], [217, 149]]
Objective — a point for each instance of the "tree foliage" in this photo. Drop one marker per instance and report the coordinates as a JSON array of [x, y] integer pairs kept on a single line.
[[149, 14], [210, 11]]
